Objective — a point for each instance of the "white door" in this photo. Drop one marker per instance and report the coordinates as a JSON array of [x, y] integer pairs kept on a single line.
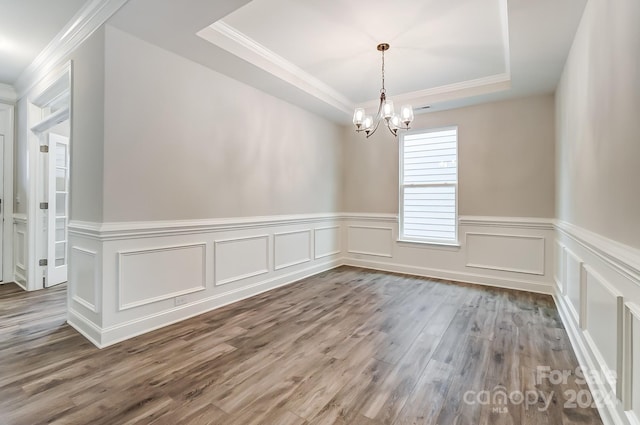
[[58, 183]]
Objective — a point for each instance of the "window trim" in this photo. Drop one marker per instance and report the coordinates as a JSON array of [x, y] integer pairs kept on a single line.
[[401, 186]]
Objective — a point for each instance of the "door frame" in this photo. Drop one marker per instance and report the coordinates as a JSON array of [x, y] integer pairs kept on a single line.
[[55, 86], [7, 124]]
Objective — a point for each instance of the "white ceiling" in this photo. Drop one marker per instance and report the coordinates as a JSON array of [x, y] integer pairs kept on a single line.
[[321, 55], [26, 27], [433, 43]]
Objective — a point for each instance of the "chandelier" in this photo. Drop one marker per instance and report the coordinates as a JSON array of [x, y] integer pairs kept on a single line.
[[392, 120]]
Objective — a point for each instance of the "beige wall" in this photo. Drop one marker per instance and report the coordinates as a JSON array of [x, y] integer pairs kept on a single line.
[[506, 160], [184, 142], [598, 124], [87, 130]]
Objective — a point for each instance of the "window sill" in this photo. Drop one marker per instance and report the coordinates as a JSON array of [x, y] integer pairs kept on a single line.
[[447, 246]]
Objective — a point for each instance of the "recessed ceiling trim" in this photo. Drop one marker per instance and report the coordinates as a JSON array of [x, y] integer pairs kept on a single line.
[[246, 48], [504, 20], [92, 15], [463, 89]]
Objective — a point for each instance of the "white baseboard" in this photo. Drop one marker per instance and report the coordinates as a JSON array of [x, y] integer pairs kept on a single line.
[[478, 279], [85, 327]]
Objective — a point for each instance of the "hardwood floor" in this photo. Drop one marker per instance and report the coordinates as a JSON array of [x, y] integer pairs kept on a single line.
[[348, 346]]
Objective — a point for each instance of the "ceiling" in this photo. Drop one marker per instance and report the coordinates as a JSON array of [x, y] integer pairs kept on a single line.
[[321, 55], [26, 27], [433, 43]]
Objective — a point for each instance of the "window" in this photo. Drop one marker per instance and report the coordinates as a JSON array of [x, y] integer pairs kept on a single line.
[[429, 186]]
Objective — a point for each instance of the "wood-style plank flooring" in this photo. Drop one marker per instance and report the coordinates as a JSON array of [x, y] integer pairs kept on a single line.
[[348, 346]]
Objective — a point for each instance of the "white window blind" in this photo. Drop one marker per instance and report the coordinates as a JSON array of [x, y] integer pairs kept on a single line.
[[429, 185]]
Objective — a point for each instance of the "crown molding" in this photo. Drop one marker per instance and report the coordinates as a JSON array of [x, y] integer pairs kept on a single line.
[[84, 23], [460, 90], [233, 41], [239, 44], [7, 93]]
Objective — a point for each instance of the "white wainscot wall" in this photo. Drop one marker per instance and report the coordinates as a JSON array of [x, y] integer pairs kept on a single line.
[[20, 249], [129, 278], [510, 252], [597, 291]]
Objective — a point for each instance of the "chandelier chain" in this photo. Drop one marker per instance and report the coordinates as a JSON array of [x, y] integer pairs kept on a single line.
[[383, 90]]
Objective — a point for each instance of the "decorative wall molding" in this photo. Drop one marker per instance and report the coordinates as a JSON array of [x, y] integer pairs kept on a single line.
[[253, 261], [144, 229], [606, 304], [86, 273], [170, 268], [601, 281], [457, 276], [88, 19], [491, 258], [370, 240], [631, 359], [318, 239], [507, 222], [289, 250], [104, 336], [244, 256], [575, 284], [230, 39], [610, 413], [622, 257]]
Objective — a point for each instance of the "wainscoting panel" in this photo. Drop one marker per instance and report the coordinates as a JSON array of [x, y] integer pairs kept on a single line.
[[151, 275], [19, 247], [508, 252], [370, 240], [291, 248], [574, 282], [85, 292], [604, 309], [603, 277], [632, 396], [218, 261], [512, 253], [559, 271], [241, 258], [326, 241]]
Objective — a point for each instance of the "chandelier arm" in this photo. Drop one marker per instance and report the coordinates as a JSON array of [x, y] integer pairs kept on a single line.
[[378, 115]]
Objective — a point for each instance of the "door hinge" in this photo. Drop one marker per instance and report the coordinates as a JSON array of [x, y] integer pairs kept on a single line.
[[44, 148], [44, 205], [43, 262]]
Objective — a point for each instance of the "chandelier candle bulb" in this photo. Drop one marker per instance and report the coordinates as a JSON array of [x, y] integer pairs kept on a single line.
[[395, 122], [368, 122], [387, 109], [406, 113], [358, 117]]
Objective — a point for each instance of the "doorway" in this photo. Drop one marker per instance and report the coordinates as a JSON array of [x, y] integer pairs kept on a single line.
[[50, 113], [57, 184]]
